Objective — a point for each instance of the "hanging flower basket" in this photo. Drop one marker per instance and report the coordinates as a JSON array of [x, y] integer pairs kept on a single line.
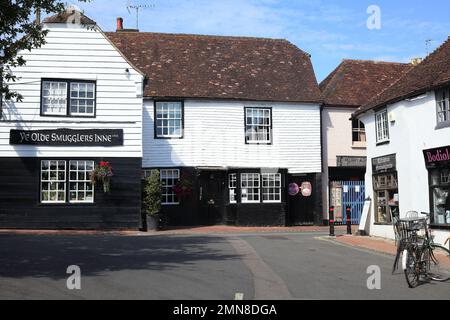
[[183, 189], [102, 174]]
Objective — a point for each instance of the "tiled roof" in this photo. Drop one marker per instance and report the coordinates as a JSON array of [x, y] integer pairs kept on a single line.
[[354, 82], [432, 73], [215, 67]]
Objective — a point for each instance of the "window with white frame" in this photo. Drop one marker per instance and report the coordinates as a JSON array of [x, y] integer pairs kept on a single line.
[[358, 131], [271, 187], [82, 98], [258, 125], [169, 178], [169, 120], [232, 185], [53, 181], [250, 187], [443, 105], [81, 189], [54, 98], [68, 98], [382, 126]]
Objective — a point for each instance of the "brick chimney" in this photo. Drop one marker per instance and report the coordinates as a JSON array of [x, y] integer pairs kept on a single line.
[[119, 24]]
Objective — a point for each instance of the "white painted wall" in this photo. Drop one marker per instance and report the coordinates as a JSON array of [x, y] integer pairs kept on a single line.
[[337, 140], [74, 52], [215, 136], [411, 133]]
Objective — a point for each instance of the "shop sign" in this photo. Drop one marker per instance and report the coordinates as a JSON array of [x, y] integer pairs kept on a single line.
[[294, 189], [384, 164], [67, 137], [351, 162], [437, 157], [306, 189]]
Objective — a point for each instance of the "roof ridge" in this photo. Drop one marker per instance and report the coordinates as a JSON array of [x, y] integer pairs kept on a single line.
[[427, 58], [376, 61], [201, 35]]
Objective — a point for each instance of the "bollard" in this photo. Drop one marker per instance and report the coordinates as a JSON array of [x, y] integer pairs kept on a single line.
[[349, 219], [331, 221]]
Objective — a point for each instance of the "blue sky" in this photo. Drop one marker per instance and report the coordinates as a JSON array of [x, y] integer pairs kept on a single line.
[[330, 30]]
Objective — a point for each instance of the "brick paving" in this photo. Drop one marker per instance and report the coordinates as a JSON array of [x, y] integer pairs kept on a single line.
[[372, 243]]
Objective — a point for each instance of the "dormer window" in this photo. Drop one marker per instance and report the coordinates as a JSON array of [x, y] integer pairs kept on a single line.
[[68, 98], [443, 106]]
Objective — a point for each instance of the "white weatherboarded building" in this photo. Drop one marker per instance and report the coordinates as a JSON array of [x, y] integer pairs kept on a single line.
[[82, 104]]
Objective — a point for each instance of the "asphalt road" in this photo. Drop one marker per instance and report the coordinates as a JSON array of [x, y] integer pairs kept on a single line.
[[259, 266]]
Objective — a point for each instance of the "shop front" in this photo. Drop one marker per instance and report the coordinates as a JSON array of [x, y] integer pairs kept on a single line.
[[437, 162], [385, 188]]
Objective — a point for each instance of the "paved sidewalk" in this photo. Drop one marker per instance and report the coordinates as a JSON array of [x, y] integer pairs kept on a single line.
[[372, 243], [182, 231]]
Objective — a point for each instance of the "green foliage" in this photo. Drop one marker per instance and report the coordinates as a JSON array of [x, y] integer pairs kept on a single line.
[[151, 202], [19, 32]]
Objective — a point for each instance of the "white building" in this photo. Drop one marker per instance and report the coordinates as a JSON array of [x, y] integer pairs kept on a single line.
[[408, 146], [352, 84], [238, 119], [82, 104]]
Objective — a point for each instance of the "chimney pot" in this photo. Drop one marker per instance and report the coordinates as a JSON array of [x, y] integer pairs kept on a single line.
[[119, 24]]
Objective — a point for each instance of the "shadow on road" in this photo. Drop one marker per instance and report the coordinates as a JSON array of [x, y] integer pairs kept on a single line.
[[49, 256]]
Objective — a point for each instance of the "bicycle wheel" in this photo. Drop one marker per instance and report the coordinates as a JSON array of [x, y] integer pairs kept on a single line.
[[439, 263], [411, 267]]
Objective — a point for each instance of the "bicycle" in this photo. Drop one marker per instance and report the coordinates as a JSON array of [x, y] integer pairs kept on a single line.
[[422, 258]]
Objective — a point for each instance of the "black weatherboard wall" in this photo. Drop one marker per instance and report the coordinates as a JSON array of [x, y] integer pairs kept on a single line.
[[20, 205]]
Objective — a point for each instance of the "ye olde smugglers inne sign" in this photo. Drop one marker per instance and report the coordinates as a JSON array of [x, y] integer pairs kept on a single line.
[[68, 137]]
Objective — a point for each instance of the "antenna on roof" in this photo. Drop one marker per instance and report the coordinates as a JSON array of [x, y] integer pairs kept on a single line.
[[137, 8], [428, 45]]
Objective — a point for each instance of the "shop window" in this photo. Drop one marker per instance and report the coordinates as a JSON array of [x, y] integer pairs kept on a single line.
[[169, 178], [250, 187], [258, 125], [232, 186], [440, 197], [72, 98], [169, 120], [382, 126], [386, 196], [271, 187], [81, 188]]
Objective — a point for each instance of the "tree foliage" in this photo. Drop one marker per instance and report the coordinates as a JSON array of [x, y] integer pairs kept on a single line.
[[18, 32]]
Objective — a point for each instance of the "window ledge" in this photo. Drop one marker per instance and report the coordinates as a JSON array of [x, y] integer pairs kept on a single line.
[[382, 143], [442, 125], [359, 145]]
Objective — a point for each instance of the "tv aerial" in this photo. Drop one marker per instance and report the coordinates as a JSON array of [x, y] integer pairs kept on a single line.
[[138, 8]]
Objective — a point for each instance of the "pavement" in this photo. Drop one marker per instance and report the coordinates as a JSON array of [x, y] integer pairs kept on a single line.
[[203, 264]]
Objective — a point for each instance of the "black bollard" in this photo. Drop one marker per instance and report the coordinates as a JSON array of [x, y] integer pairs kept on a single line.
[[331, 221], [349, 219]]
